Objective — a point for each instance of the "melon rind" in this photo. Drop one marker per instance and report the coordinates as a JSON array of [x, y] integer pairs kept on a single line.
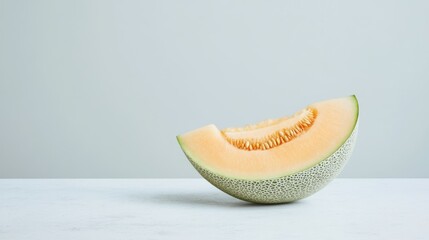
[[287, 188]]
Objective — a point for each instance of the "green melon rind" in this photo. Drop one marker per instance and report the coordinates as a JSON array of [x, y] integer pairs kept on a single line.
[[287, 188]]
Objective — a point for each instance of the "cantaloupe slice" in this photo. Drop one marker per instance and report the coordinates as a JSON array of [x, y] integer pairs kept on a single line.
[[278, 160]]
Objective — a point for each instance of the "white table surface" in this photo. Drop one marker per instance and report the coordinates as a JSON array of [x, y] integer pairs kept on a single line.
[[193, 209]]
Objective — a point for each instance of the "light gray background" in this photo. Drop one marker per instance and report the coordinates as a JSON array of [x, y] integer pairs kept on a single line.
[[101, 88]]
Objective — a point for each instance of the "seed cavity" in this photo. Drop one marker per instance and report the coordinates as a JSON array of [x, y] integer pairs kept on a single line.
[[281, 136]]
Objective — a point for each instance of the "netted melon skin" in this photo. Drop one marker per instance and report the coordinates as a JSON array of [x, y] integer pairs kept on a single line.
[[287, 188]]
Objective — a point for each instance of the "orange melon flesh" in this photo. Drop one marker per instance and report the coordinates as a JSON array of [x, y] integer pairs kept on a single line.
[[334, 123]]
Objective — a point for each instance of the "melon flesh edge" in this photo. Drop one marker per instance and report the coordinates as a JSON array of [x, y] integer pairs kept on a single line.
[[335, 124]]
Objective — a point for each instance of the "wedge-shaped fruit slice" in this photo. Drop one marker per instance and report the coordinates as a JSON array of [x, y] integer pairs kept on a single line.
[[279, 160]]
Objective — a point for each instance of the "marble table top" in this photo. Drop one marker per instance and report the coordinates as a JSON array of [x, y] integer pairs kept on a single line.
[[148, 209]]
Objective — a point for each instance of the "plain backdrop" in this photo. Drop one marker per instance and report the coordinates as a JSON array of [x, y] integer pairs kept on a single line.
[[101, 88]]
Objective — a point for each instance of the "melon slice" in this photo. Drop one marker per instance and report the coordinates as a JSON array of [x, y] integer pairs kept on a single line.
[[277, 160]]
